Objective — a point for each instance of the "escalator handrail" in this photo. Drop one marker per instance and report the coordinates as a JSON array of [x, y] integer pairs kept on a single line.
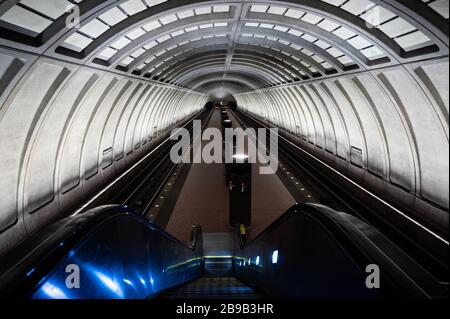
[[362, 243], [37, 256], [293, 211]]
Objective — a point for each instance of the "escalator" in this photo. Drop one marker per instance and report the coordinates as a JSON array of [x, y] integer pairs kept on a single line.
[[218, 280], [111, 252], [214, 287]]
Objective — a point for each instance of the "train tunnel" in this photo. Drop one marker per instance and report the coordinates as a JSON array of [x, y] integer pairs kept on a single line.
[[351, 95]]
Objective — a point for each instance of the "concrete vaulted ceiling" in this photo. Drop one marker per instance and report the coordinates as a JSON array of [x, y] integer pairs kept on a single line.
[[366, 81], [301, 39]]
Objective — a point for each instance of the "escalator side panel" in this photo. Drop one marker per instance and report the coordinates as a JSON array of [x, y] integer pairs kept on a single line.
[[309, 264], [123, 259], [314, 252], [107, 253]]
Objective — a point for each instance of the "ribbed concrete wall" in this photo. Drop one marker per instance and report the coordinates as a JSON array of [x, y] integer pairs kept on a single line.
[[392, 123], [65, 130]]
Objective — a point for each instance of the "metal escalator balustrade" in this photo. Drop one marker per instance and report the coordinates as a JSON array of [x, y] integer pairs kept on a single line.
[[315, 252], [108, 253]]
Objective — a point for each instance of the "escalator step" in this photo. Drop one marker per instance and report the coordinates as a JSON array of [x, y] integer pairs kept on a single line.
[[213, 288]]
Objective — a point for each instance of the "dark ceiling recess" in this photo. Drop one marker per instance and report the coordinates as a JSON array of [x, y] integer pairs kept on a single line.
[[232, 105], [209, 106]]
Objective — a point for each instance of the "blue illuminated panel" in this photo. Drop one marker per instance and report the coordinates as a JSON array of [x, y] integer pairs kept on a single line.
[[124, 259]]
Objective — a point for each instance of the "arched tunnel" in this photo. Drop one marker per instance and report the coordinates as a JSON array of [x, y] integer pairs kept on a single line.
[[91, 92]]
